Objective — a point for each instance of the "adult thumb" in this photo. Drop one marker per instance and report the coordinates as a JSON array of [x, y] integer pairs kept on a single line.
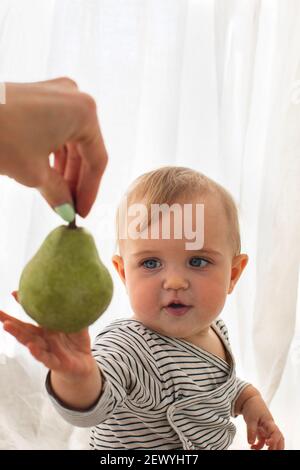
[[57, 193]]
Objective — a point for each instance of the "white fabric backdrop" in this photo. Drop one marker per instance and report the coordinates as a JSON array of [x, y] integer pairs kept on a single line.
[[213, 85]]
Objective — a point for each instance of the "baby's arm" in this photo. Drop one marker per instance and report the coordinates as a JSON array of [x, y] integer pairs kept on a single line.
[[260, 422], [77, 392], [82, 383], [75, 376]]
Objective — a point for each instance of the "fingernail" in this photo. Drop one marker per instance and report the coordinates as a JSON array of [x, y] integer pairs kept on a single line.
[[66, 212]]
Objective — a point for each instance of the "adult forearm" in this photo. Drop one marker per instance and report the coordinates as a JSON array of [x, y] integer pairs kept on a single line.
[[77, 393]]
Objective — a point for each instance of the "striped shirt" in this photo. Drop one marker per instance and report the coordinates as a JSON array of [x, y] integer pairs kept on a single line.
[[158, 392]]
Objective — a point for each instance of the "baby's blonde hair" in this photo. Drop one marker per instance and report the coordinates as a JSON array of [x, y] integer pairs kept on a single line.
[[170, 184]]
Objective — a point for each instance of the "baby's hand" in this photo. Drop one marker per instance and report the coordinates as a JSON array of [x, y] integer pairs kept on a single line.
[[261, 425], [68, 354]]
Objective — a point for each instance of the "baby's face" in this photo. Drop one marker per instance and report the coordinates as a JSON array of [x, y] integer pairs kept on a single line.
[[168, 271]]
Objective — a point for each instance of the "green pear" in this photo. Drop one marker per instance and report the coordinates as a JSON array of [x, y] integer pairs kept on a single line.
[[65, 286]]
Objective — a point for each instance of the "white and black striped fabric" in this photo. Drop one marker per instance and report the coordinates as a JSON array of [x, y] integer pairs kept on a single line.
[[159, 392]]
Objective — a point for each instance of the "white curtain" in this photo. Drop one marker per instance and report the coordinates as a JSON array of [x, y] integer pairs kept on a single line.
[[214, 85]]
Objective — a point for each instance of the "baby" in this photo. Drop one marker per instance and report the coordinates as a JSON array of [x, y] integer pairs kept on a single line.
[[165, 378]]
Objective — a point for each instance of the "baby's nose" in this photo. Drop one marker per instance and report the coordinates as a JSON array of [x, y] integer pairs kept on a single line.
[[175, 282]]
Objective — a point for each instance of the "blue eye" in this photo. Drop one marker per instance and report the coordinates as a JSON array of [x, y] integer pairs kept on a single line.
[[196, 262], [150, 263]]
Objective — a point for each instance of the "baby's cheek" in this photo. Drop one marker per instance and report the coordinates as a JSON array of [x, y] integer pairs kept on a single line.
[[142, 300], [212, 295]]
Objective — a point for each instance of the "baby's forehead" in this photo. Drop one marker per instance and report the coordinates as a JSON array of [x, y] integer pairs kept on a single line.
[[180, 212], [219, 214], [196, 228], [211, 202]]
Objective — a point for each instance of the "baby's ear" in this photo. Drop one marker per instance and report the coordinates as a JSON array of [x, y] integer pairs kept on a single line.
[[238, 265], [119, 265]]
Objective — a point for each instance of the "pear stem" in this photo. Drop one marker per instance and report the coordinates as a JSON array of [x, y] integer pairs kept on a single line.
[[72, 224]]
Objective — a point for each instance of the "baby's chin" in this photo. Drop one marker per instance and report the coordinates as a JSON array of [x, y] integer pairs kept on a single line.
[[173, 331], [165, 325]]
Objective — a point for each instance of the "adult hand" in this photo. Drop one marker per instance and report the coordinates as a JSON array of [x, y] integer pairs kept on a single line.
[[53, 117]]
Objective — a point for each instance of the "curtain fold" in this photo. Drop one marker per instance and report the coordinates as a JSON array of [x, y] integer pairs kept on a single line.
[[256, 67], [279, 208]]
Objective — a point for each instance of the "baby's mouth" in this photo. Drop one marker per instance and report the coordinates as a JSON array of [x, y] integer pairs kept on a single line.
[[177, 309], [173, 305]]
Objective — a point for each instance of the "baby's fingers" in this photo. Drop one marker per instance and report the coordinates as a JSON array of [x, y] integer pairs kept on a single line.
[[28, 326], [274, 437], [280, 445], [15, 295], [275, 442], [251, 432], [36, 345], [261, 439], [259, 444], [4, 317], [22, 334]]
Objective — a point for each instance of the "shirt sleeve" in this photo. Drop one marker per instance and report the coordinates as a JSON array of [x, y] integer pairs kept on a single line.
[[117, 376]]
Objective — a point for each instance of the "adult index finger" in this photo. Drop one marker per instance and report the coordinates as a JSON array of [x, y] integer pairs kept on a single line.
[[94, 161]]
